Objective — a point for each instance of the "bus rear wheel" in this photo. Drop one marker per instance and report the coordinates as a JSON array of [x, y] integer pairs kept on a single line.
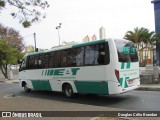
[[68, 91]]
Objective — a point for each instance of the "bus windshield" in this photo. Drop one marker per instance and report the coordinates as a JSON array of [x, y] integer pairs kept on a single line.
[[126, 51]]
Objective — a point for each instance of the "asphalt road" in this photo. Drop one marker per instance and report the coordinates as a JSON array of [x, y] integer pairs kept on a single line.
[[133, 100]]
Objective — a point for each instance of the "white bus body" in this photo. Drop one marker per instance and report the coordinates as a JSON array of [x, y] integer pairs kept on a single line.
[[107, 67]]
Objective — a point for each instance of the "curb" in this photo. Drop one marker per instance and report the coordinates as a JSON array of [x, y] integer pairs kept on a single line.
[[9, 81], [149, 88]]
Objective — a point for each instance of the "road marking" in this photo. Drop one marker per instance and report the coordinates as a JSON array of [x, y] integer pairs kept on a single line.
[[94, 118], [9, 96]]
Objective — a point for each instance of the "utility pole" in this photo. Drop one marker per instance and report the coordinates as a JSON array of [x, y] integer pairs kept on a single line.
[[58, 27], [35, 42]]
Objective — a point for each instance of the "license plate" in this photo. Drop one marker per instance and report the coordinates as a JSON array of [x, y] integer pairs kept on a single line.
[[130, 81]]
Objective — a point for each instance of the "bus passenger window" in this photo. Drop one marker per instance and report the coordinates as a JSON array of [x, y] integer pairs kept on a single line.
[[45, 60], [79, 56], [71, 57], [31, 62], [36, 64], [64, 58], [40, 61], [57, 60], [101, 57], [51, 59], [89, 54]]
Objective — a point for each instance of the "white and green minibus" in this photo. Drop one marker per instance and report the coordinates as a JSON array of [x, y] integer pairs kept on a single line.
[[108, 66]]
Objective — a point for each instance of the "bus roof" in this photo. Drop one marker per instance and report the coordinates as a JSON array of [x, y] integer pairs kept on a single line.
[[69, 46], [89, 43]]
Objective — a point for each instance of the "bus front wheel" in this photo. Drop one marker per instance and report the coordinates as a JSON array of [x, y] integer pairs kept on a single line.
[[26, 89], [68, 91]]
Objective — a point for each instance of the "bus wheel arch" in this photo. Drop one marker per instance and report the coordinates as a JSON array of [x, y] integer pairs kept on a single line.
[[67, 90], [24, 85]]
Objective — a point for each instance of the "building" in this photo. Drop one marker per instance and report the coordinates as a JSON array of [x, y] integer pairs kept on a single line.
[[86, 39], [102, 33]]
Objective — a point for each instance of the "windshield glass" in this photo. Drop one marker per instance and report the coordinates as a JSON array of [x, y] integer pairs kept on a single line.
[[126, 51]]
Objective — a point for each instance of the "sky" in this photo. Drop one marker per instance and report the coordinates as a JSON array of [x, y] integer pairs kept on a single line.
[[80, 18]]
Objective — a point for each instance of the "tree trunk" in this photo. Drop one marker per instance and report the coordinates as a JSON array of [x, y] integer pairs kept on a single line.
[[4, 69]]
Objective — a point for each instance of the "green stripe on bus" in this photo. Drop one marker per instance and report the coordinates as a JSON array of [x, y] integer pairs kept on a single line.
[[128, 64], [51, 72], [121, 81], [92, 87], [125, 65], [126, 86], [125, 82], [122, 65], [41, 85]]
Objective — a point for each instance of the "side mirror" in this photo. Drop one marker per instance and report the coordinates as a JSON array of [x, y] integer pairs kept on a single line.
[[19, 61]]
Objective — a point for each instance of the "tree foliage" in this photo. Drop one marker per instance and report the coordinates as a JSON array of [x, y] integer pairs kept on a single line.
[[144, 39], [27, 11], [139, 35], [11, 47], [11, 37]]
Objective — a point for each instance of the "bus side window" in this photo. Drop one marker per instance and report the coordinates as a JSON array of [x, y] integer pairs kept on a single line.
[[71, 57], [30, 62], [107, 55], [57, 60], [96, 54], [45, 60], [101, 56], [36, 63], [80, 56], [89, 55], [40, 61], [64, 58], [51, 59]]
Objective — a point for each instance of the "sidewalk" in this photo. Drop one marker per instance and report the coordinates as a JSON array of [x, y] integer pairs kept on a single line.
[[149, 87], [9, 81], [144, 87], [14, 80]]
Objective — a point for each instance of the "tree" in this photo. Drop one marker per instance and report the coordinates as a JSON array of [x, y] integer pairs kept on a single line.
[[135, 36], [11, 37], [11, 47], [143, 35], [27, 11], [29, 49]]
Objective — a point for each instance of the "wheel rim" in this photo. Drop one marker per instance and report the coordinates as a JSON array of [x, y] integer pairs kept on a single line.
[[68, 92]]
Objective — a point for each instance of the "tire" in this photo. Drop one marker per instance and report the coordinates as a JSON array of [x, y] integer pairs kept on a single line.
[[26, 89], [68, 91]]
